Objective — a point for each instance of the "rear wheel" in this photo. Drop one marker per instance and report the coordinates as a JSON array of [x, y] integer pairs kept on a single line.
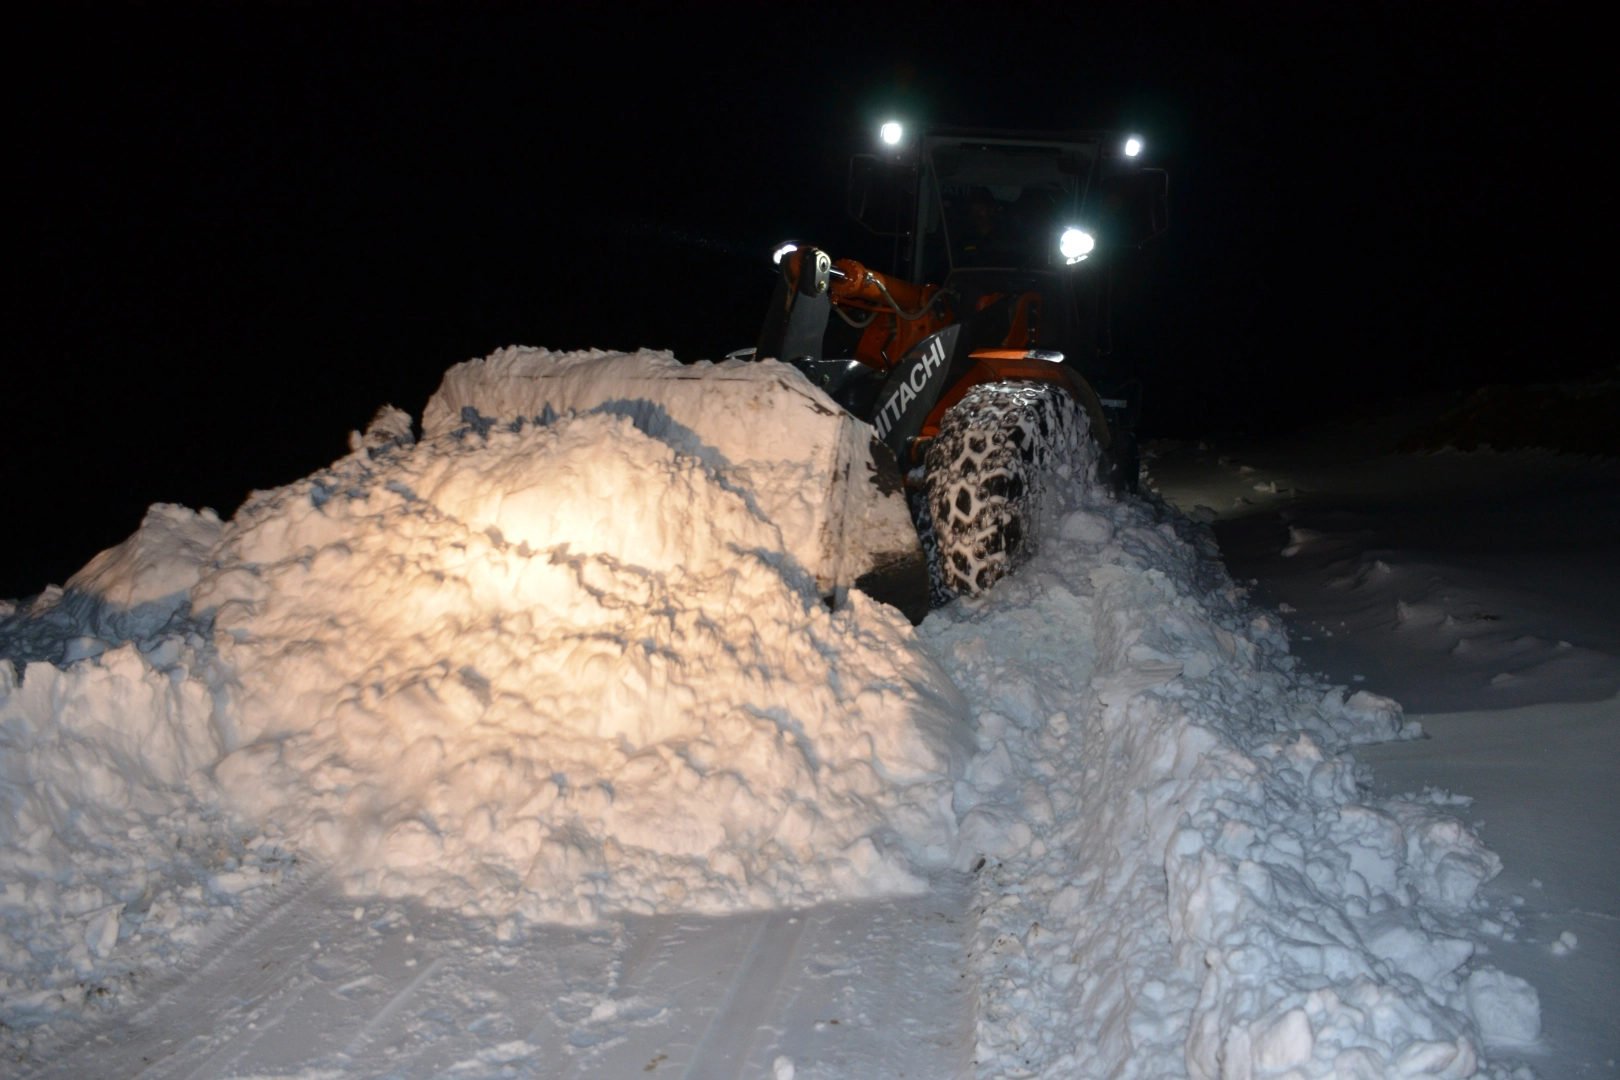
[[999, 453]]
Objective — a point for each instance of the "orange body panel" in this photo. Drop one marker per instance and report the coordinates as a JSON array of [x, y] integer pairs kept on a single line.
[[888, 337], [859, 288], [994, 365]]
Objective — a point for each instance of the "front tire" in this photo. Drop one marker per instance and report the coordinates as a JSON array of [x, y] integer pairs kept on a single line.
[[988, 476]]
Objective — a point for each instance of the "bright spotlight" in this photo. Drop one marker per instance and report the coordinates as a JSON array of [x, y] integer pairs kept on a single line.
[[1133, 146], [783, 252], [1075, 244], [891, 133]]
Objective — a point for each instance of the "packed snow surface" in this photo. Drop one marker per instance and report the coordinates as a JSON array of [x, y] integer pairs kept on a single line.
[[556, 664]]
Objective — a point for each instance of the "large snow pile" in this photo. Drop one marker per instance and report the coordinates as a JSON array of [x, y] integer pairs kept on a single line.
[[556, 664], [554, 669]]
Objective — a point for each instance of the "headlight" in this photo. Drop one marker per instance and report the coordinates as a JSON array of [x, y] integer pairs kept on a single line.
[[1133, 146], [891, 133], [783, 252], [1075, 244]]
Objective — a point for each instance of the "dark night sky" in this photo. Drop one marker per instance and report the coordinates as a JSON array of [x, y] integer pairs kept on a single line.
[[233, 234]]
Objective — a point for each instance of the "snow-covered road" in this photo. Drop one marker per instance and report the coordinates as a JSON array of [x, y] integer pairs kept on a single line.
[[1482, 591], [1448, 581], [320, 986], [1544, 791]]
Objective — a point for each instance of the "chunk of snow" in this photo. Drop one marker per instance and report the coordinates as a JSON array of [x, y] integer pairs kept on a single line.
[[1396, 936], [1506, 1008], [101, 930], [1298, 538], [129, 591], [1085, 527], [389, 427]]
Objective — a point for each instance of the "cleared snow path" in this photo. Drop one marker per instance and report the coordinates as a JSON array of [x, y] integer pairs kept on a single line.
[[869, 989]]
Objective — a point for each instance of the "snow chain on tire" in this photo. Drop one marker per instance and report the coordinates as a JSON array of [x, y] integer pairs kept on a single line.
[[988, 473]]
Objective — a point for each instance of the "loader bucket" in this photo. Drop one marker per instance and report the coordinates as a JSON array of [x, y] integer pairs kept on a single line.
[[805, 463]]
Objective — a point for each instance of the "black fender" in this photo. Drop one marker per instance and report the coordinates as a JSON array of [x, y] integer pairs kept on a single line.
[[913, 387]]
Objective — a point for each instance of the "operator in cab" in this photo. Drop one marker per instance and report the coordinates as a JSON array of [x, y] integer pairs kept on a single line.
[[987, 237]]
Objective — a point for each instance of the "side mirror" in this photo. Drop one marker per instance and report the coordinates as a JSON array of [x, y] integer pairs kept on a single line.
[[877, 194], [1136, 207]]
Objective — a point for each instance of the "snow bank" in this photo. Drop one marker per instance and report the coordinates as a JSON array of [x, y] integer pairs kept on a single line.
[[1178, 872], [554, 668]]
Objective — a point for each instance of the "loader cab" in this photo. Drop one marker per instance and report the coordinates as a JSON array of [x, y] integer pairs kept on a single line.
[[999, 217], [985, 206]]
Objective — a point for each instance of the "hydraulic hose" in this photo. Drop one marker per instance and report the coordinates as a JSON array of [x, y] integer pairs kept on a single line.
[[862, 277], [898, 310]]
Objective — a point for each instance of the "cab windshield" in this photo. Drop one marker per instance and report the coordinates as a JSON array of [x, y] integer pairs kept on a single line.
[[1002, 206]]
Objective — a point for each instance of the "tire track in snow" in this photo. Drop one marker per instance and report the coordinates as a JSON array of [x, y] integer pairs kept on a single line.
[[140, 1048], [726, 1043], [874, 988], [253, 985], [393, 1006]]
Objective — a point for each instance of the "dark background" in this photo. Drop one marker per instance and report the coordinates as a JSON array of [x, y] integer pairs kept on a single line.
[[233, 234]]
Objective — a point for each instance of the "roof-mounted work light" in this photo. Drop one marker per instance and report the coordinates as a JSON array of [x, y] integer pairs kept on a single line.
[[1133, 146], [891, 133]]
